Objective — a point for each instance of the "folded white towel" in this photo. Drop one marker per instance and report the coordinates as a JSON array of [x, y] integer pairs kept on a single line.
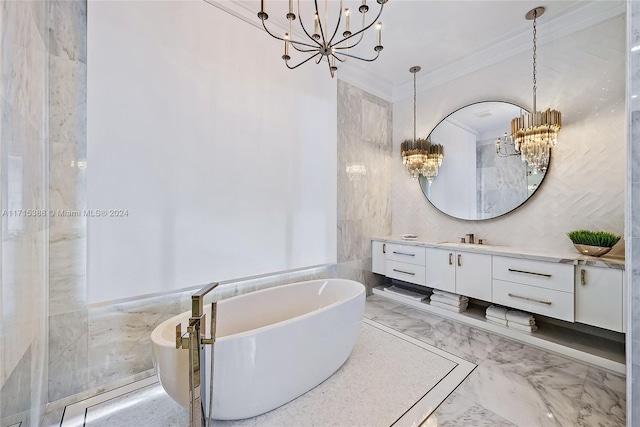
[[517, 316], [448, 301], [449, 295], [406, 293], [449, 307], [496, 320], [497, 311], [523, 328]]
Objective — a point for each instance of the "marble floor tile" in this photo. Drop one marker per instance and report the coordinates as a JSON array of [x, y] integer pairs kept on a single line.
[[550, 399], [608, 379], [601, 406], [458, 411], [514, 384]]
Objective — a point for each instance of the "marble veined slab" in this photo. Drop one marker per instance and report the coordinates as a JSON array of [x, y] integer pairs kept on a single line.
[[513, 252]]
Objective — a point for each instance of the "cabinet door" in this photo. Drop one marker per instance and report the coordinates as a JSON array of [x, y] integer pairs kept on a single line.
[[599, 297], [378, 257], [473, 275], [440, 271]]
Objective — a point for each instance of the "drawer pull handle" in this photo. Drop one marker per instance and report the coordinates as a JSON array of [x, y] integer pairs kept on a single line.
[[459, 260], [583, 278], [384, 248], [529, 272], [450, 259], [530, 299], [405, 272], [403, 253]]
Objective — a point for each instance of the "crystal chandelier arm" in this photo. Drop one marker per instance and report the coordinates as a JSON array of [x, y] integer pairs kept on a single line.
[[357, 57], [306, 60], [281, 39], [337, 25], [303, 28], [365, 28]]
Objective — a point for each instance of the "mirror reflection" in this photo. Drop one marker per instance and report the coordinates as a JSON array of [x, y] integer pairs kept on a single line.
[[480, 178]]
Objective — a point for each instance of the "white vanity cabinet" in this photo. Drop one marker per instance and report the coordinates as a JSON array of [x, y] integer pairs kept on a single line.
[[405, 262], [473, 275], [599, 297], [440, 272], [536, 286], [378, 257], [463, 273]]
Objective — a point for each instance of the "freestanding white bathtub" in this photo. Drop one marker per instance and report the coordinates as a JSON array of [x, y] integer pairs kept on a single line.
[[272, 345]]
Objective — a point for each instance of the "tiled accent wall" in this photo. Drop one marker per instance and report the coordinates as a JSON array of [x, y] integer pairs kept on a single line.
[[92, 348], [633, 219], [68, 316], [581, 75], [23, 185], [364, 178]]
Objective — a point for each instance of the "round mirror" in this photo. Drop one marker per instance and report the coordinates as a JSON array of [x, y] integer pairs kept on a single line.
[[482, 176]]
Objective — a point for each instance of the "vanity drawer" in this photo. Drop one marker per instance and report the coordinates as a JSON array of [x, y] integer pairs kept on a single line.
[[547, 302], [405, 253], [549, 275], [408, 272]]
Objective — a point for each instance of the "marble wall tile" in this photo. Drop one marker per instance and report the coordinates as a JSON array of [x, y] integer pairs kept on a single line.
[[68, 354], [633, 210], [633, 372], [68, 98], [68, 29], [23, 185], [67, 276], [364, 184]]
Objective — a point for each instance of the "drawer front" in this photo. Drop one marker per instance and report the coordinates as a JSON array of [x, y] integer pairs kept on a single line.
[[547, 302], [405, 253], [549, 275], [408, 272]]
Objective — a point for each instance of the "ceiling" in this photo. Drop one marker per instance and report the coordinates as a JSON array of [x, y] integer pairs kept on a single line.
[[446, 38]]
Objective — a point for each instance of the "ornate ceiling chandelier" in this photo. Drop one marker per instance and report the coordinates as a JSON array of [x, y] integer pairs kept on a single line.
[[419, 156], [324, 43], [534, 133]]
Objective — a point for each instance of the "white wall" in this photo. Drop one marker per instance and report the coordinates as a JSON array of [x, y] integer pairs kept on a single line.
[[582, 75], [224, 159]]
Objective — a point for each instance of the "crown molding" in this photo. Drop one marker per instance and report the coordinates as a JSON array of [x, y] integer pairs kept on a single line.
[[582, 16]]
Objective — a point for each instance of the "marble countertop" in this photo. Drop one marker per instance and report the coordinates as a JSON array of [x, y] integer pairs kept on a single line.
[[514, 252]]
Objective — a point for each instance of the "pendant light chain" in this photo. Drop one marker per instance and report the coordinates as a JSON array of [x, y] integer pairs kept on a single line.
[[535, 15], [414, 107]]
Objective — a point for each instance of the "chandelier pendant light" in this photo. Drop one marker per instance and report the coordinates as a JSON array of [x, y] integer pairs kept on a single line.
[[534, 134], [323, 43], [419, 156]]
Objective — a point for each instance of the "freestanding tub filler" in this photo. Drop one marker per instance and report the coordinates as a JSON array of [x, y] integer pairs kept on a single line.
[[271, 346]]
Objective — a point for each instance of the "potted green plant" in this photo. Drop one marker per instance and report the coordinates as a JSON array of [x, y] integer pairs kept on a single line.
[[593, 243]]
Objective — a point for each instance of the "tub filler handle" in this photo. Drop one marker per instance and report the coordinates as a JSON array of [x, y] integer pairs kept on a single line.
[[195, 341]]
